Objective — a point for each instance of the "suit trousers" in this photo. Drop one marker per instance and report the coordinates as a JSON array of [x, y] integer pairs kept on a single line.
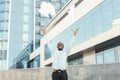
[[60, 75]]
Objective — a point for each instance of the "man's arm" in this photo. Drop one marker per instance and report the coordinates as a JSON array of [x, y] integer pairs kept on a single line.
[[71, 43], [50, 46]]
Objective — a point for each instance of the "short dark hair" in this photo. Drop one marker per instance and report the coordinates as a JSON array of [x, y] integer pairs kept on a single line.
[[60, 43]]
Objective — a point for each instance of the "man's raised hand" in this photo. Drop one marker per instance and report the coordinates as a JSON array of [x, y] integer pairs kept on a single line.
[[75, 31], [43, 31]]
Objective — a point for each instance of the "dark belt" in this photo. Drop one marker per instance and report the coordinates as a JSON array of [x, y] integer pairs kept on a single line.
[[58, 70]]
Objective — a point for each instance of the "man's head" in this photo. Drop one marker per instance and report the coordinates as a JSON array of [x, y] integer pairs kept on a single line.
[[60, 46]]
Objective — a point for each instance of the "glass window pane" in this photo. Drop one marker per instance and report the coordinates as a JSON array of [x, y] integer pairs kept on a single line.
[[81, 33], [47, 53], [26, 1], [88, 27], [4, 26], [26, 18], [25, 28], [7, 6], [97, 22], [25, 37], [3, 34], [36, 62], [109, 56], [24, 45], [55, 0], [75, 62], [99, 58], [116, 6], [26, 9], [4, 54], [2, 16], [4, 45], [6, 16], [37, 44], [2, 7], [64, 1], [107, 16], [80, 61], [118, 51], [56, 5], [44, 21]]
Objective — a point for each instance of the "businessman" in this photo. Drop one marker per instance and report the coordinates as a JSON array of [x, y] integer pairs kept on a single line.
[[60, 57]]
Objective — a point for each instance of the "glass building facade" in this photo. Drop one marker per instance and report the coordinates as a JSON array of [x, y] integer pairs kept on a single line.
[[22, 60], [34, 63], [76, 59], [4, 15], [16, 29], [42, 21], [110, 53], [95, 22], [46, 52], [21, 28], [98, 20]]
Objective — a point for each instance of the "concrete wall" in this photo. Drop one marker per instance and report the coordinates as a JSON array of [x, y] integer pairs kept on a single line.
[[26, 74], [95, 72], [91, 72]]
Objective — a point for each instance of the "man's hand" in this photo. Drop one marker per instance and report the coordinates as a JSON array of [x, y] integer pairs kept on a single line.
[[75, 31], [43, 31]]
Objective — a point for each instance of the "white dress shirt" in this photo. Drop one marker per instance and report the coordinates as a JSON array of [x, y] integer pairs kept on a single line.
[[60, 57]]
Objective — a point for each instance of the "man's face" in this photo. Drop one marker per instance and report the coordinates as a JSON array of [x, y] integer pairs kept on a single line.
[[60, 46]]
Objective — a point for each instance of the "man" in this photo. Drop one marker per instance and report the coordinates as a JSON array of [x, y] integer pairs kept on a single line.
[[60, 57]]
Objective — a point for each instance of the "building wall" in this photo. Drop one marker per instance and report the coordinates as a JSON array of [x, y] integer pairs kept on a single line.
[[89, 57], [4, 21], [15, 31], [97, 22], [21, 28], [66, 23]]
